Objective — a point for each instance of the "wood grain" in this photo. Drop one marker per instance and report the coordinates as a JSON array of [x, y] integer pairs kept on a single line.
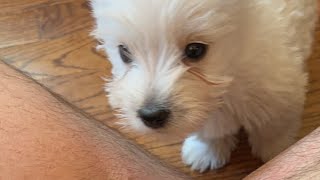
[[48, 40]]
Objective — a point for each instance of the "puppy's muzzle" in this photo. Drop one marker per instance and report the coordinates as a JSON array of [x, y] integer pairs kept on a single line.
[[154, 117]]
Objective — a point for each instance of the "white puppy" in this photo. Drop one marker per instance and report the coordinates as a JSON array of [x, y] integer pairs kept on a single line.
[[209, 68]]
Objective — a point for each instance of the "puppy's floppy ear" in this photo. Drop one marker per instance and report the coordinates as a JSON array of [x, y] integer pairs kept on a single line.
[[103, 8], [98, 6], [103, 4], [100, 11], [100, 2]]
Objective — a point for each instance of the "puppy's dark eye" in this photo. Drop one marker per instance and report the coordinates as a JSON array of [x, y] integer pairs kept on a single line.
[[125, 54], [195, 51]]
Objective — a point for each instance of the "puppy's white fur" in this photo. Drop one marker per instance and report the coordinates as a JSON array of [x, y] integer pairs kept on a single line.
[[260, 45]]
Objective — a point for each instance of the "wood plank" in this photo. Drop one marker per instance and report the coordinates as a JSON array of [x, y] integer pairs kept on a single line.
[[9, 7], [42, 21], [28, 34]]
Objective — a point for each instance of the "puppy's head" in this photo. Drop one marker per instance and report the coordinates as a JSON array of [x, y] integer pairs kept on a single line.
[[151, 45]]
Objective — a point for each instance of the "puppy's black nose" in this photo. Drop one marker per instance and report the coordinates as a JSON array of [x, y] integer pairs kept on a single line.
[[154, 117]]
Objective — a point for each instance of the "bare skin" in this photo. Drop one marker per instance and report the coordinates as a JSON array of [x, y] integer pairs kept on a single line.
[[301, 161], [41, 137]]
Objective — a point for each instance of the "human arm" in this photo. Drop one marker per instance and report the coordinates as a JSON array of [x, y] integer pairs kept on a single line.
[[42, 137]]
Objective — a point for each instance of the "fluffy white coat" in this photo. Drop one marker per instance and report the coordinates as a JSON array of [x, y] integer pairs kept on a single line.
[[256, 47]]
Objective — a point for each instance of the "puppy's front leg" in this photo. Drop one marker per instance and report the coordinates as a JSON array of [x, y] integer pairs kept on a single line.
[[270, 140], [202, 154]]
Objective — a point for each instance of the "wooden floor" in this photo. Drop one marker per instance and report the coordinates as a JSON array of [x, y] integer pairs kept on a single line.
[[48, 40]]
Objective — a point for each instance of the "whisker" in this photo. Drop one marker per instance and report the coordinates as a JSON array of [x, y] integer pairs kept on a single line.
[[196, 72]]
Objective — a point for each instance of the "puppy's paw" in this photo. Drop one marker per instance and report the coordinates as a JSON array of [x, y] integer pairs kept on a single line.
[[202, 156]]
